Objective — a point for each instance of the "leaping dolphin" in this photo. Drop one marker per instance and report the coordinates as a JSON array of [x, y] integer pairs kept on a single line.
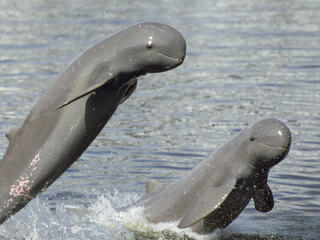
[[216, 191], [66, 120]]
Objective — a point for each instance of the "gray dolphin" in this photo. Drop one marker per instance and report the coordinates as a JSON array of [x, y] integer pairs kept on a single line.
[[66, 120], [215, 192]]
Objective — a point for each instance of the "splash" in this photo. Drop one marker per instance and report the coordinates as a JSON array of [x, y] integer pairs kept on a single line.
[[60, 220], [38, 220], [132, 224]]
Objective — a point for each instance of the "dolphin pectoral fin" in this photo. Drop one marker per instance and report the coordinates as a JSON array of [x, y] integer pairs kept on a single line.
[[85, 85], [75, 97], [263, 199], [208, 202], [129, 91], [153, 186]]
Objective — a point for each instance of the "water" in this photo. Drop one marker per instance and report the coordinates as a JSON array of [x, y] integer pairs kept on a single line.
[[246, 60]]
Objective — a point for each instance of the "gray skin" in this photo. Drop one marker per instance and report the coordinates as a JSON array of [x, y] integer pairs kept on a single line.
[[67, 119], [215, 192]]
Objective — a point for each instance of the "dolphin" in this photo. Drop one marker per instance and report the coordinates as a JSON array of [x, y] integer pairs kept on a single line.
[[216, 191], [65, 120]]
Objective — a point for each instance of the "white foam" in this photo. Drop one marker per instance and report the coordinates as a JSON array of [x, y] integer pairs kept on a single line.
[[133, 220], [101, 220]]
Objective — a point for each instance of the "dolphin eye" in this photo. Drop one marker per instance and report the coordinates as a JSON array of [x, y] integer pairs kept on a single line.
[[251, 139], [149, 44]]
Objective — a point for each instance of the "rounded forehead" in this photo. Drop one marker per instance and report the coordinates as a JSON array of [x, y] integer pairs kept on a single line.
[[266, 125], [155, 27], [139, 34], [156, 31], [271, 131]]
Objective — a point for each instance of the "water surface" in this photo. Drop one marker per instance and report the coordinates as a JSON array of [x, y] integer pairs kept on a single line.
[[246, 60]]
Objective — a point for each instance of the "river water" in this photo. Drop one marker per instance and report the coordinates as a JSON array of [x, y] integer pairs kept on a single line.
[[246, 60]]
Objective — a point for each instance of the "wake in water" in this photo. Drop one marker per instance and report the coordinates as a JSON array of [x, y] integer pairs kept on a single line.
[[100, 221], [132, 224]]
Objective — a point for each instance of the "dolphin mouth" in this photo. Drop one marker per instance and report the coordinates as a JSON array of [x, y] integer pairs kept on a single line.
[[273, 146], [173, 59], [167, 63]]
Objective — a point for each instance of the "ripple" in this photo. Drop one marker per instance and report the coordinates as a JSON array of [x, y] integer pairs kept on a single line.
[[244, 62]]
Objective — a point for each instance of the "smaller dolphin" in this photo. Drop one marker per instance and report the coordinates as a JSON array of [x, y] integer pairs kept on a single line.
[[216, 191]]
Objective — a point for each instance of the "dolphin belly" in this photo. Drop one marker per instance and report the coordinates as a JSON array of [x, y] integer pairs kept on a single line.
[[70, 115], [216, 191], [69, 132]]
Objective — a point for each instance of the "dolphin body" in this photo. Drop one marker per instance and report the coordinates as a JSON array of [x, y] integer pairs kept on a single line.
[[216, 191], [70, 115]]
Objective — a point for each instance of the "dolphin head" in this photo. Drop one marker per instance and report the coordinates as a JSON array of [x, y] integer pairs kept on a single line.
[[268, 142], [135, 51], [150, 48]]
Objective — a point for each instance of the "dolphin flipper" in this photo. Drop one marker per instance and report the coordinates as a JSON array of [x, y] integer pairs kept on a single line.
[[101, 75], [209, 201], [263, 199], [87, 91], [130, 91]]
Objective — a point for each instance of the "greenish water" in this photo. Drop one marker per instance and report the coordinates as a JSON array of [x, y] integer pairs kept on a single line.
[[246, 60]]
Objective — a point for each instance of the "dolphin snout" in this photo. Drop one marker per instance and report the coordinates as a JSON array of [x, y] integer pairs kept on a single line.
[[274, 133], [172, 42], [284, 136], [279, 135]]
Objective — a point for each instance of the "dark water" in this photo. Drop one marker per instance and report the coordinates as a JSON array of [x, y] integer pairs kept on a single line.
[[246, 60]]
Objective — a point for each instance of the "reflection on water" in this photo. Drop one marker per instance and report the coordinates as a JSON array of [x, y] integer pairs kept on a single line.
[[246, 60]]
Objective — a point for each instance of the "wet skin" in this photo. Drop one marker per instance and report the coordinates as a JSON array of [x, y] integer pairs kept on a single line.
[[216, 191], [71, 114]]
